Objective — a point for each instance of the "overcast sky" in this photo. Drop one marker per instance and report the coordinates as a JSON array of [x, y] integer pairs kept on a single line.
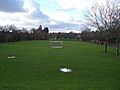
[[57, 15]]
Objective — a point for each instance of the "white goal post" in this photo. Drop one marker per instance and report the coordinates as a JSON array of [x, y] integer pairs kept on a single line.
[[56, 44]]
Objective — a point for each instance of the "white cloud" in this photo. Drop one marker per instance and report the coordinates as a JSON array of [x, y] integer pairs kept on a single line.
[[78, 4], [60, 16], [70, 10], [52, 22], [28, 6], [67, 18], [33, 17]]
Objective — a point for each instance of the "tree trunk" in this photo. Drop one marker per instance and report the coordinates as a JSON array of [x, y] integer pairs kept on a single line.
[[106, 47], [117, 47]]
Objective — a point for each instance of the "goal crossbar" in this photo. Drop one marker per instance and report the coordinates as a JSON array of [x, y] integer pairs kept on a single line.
[[56, 44]]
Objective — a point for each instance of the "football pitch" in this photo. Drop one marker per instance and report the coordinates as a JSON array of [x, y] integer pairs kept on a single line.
[[36, 66]]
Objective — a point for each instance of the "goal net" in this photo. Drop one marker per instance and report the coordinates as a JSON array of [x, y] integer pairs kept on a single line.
[[56, 44]]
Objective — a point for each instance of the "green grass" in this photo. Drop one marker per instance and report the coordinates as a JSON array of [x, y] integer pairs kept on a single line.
[[36, 66]]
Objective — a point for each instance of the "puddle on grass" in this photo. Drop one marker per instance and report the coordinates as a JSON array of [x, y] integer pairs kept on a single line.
[[65, 70], [11, 57]]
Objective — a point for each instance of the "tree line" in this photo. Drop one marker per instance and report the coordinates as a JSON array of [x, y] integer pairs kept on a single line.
[[11, 33]]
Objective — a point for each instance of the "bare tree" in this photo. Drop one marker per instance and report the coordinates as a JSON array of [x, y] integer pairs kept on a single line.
[[106, 19]]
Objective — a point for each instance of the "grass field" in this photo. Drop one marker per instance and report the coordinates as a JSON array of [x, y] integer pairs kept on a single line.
[[36, 66]]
